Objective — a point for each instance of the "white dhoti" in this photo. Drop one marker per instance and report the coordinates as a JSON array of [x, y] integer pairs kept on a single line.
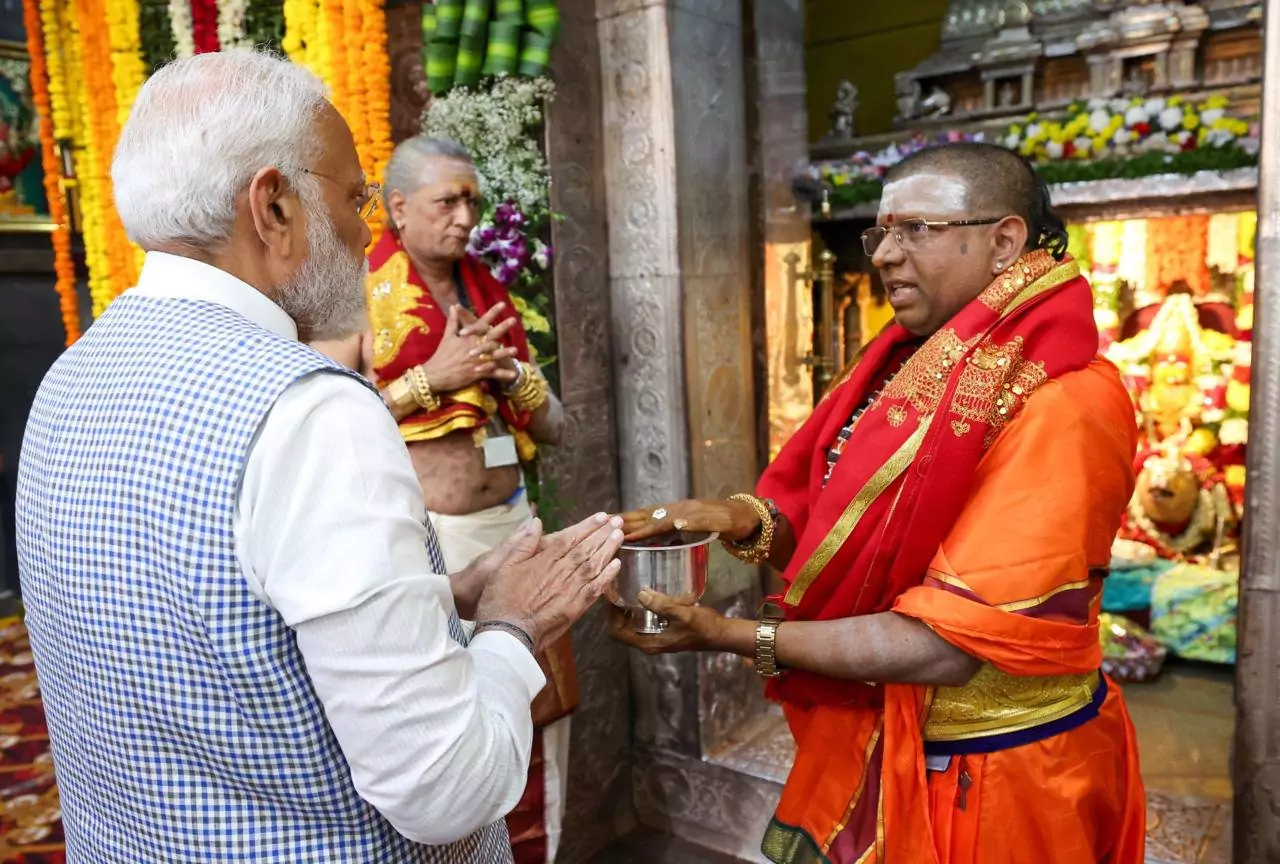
[[462, 540]]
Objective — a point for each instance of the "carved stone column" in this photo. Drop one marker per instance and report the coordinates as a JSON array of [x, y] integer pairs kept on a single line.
[[683, 283], [1257, 763], [583, 473]]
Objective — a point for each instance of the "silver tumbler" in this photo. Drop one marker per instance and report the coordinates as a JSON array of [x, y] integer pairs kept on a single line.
[[674, 564]]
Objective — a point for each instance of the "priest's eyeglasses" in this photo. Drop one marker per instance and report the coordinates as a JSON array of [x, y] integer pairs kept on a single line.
[[911, 233]]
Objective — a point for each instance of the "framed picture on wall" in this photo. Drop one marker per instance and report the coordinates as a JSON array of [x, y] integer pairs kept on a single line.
[[23, 206]]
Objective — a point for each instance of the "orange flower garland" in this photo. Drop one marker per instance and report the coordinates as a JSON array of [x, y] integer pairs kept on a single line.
[[375, 151], [64, 265], [111, 260]]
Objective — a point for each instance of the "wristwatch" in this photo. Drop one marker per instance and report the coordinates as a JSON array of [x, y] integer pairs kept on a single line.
[[767, 640]]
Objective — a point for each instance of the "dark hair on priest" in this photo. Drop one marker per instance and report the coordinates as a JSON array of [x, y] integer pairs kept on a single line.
[[1000, 182]]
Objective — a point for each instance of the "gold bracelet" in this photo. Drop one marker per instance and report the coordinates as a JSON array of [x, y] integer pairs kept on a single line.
[[531, 391], [767, 647], [756, 552], [420, 387], [401, 394]]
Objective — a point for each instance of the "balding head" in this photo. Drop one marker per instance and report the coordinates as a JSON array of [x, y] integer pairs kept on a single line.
[[199, 130], [999, 183], [237, 159]]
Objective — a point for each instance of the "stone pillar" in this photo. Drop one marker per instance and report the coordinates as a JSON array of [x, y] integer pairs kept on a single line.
[[684, 287], [1257, 762], [583, 473]]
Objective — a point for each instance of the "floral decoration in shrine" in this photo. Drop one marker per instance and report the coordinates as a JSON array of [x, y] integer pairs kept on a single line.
[[1100, 139]]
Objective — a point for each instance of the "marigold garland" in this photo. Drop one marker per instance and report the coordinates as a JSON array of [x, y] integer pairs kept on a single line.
[[63, 264], [127, 68], [301, 18], [102, 51], [112, 265], [376, 65]]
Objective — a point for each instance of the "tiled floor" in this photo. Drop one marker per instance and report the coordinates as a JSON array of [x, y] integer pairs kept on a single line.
[[1185, 722]]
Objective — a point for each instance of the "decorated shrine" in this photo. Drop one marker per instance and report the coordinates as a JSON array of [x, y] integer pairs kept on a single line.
[[1143, 118]]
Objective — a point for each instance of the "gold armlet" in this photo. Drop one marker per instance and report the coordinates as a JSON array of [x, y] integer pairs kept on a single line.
[[767, 647], [756, 551], [531, 390], [420, 388]]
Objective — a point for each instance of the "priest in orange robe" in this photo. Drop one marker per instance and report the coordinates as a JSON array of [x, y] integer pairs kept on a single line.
[[943, 523]]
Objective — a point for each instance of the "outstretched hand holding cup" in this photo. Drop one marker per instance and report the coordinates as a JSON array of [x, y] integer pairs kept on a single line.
[[545, 584]]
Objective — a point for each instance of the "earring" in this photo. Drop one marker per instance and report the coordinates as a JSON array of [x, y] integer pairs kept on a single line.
[[999, 266]]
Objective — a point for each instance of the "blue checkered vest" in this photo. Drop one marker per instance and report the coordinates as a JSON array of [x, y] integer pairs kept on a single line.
[[183, 724]]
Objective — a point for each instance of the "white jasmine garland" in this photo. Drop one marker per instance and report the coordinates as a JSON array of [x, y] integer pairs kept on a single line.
[[231, 24], [497, 127], [1171, 119], [184, 39]]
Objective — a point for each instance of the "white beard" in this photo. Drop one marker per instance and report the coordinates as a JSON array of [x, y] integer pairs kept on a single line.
[[326, 294]]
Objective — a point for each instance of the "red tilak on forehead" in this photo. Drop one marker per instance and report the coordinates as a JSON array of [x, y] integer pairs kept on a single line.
[[888, 220]]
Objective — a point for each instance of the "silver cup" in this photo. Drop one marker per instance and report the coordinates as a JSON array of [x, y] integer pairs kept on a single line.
[[673, 564]]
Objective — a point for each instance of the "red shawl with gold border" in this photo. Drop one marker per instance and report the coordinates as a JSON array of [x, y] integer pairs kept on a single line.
[[407, 328]]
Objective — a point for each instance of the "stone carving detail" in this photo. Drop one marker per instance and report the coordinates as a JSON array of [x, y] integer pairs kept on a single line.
[[584, 468], [643, 256], [710, 805], [409, 92], [731, 693]]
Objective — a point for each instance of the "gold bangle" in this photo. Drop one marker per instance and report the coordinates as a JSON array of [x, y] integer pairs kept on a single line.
[[531, 391], [756, 552], [767, 647], [420, 387]]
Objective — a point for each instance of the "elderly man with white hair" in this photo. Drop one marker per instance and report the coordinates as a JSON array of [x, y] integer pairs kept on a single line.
[[247, 648]]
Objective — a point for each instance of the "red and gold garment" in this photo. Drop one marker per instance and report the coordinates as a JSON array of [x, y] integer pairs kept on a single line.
[[407, 328], [979, 494]]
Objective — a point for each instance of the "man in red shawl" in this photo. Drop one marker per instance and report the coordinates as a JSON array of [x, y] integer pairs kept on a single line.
[[944, 522], [453, 362]]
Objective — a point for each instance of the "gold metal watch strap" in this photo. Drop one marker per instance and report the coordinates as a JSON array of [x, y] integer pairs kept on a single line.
[[766, 647]]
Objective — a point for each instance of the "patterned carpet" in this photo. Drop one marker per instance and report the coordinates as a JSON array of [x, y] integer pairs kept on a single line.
[[30, 820]]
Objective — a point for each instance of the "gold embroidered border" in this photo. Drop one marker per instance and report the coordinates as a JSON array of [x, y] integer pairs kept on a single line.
[[853, 513], [391, 298], [1019, 605], [862, 786], [1055, 278]]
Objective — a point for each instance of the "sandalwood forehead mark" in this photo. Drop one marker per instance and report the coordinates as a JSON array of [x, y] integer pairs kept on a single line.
[[928, 195]]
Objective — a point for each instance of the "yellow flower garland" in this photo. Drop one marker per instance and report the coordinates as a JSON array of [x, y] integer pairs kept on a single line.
[[63, 263], [115, 263], [301, 17]]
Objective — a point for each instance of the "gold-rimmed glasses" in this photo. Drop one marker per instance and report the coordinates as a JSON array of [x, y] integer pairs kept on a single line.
[[911, 233], [367, 205]]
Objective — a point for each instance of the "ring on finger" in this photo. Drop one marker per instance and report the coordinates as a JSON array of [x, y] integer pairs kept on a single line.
[[681, 524], [659, 514]]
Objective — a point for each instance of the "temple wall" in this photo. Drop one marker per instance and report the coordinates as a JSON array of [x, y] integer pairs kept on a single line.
[[866, 48]]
